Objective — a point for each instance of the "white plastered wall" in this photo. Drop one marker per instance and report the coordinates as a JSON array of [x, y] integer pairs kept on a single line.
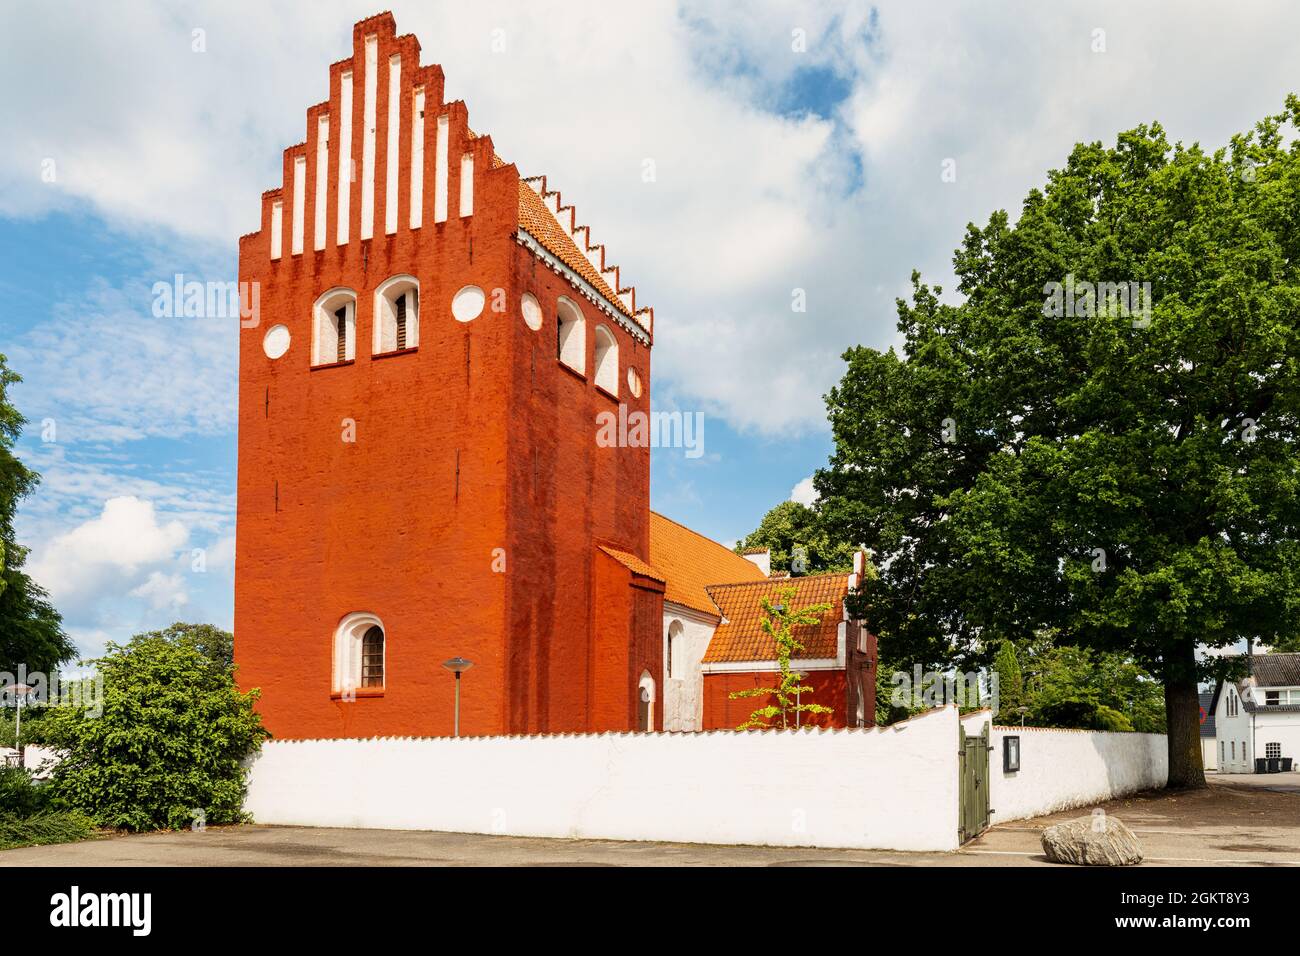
[[890, 788]]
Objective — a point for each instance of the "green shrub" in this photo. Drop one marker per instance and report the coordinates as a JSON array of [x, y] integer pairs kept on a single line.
[[44, 828], [170, 742], [20, 796]]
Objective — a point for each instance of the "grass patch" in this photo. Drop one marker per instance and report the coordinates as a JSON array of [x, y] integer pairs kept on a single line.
[[44, 828]]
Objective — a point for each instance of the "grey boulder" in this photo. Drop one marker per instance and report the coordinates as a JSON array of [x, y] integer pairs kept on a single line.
[[1098, 840]]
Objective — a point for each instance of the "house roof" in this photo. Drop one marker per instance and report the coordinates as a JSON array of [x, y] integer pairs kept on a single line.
[[634, 564], [1207, 713], [1275, 670], [689, 562], [1266, 670], [740, 637], [537, 219]]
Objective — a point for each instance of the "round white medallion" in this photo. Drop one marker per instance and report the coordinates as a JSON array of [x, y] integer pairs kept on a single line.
[[276, 341], [532, 310], [467, 304], [633, 382]]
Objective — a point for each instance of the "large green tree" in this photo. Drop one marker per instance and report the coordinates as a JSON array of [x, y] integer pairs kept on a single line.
[[31, 631], [1042, 457], [792, 525]]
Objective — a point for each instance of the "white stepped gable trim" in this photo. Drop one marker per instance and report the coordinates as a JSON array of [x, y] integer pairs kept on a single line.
[[370, 98], [440, 169], [584, 288], [299, 203], [467, 185], [595, 253], [277, 228], [417, 158], [322, 180], [391, 174]]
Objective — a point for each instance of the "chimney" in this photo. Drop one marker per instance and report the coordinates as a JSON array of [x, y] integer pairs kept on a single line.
[[761, 557], [859, 567]]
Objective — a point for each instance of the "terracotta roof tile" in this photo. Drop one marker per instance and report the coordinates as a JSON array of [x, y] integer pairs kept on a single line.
[[740, 637], [633, 563], [540, 223], [690, 562]]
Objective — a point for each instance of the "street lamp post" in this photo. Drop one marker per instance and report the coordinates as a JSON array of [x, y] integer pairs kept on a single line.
[[458, 666], [20, 691]]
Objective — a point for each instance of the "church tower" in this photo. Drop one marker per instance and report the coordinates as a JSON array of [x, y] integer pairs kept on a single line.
[[419, 472]]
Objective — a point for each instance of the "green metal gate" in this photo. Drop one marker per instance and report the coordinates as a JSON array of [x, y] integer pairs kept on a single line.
[[972, 784]]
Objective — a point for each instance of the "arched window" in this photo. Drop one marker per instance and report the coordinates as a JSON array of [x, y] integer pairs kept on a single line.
[[645, 703], [675, 652], [606, 360], [397, 315], [571, 332], [359, 654], [334, 327], [372, 657]]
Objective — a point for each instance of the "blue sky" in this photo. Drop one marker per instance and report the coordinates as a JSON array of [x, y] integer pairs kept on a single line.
[[797, 149]]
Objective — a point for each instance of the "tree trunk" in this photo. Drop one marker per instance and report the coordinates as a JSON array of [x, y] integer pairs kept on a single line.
[[1183, 721]]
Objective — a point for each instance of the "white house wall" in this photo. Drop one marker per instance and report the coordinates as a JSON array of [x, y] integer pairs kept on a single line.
[[1233, 730], [684, 697], [1280, 728]]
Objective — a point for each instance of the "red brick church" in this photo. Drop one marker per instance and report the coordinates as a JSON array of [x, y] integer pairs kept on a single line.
[[419, 477]]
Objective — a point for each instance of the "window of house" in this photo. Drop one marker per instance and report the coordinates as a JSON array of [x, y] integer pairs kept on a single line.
[[334, 323], [1222, 748], [606, 360], [1271, 698], [1234, 750], [397, 315], [1273, 750], [645, 710], [358, 655], [372, 658], [571, 336], [674, 664]]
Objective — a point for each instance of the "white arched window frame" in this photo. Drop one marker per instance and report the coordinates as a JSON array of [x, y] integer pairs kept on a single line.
[[606, 360], [571, 335], [348, 639], [397, 315], [675, 652], [645, 703], [333, 306]]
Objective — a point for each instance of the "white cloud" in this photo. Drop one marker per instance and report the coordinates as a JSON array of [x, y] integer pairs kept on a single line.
[[103, 369], [804, 492], [108, 555], [220, 556], [163, 591]]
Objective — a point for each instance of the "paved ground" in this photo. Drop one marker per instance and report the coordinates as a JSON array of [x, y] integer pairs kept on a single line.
[[1238, 821]]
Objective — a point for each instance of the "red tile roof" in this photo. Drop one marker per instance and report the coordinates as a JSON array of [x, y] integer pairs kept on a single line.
[[536, 218], [690, 561], [740, 636], [633, 563]]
